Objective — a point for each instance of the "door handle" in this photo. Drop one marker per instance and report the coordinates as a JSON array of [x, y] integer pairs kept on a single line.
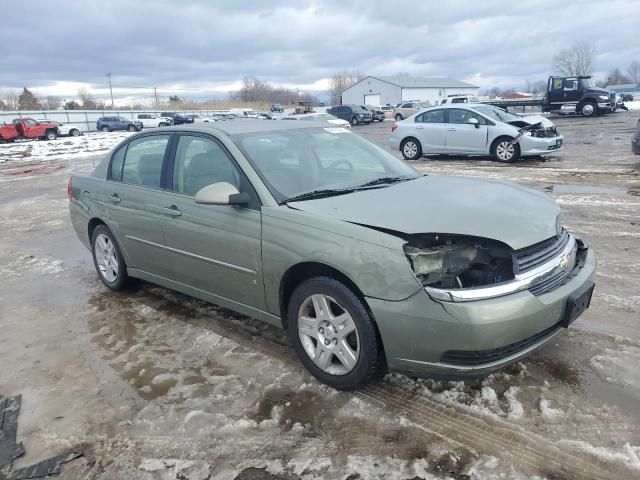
[[451, 129], [172, 210], [114, 198], [419, 127]]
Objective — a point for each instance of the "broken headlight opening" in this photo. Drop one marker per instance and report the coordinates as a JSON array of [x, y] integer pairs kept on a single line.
[[446, 263]]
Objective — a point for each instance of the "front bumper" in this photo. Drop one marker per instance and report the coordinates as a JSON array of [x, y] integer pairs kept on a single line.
[[606, 106], [418, 331], [540, 145]]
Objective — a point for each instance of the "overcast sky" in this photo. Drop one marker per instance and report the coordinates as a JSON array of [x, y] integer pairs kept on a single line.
[[54, 47]]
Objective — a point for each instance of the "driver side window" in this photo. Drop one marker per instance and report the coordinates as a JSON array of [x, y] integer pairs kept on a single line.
[[200, 162], [460, 116]]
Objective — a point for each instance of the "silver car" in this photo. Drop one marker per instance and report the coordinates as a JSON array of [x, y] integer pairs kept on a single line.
[[474, 129]]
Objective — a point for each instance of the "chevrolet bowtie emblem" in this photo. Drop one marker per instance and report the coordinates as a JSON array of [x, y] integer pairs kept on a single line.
[[564, 262]]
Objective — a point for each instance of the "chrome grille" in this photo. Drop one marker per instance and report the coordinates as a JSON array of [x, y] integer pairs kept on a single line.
[[531, 257]]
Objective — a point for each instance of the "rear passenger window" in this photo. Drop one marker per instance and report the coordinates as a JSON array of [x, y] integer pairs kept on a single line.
[[143, 161], [432, 116], [115, 173]]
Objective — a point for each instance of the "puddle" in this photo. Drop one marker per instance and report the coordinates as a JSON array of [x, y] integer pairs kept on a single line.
[[589, 189]]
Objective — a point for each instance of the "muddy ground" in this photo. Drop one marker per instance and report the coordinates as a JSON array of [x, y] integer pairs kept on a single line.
[[155, 385]]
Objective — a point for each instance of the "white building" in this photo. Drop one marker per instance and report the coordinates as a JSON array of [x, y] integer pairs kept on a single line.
[[400, 88]]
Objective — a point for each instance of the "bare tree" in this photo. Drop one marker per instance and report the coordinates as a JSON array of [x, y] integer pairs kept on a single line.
[[28, 100], [575, 60], [87, 100], [11, 101], [616, 77], [339, 82], [634, 71], [52, 102]]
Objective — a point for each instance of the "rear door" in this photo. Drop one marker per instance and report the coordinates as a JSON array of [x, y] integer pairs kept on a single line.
[[462, 136], [214, 248], [135, 203], [430, 129]]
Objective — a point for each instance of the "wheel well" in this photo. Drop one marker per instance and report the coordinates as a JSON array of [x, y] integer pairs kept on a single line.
[[304, 271], [405, 139], [495, 142], [93, 223]]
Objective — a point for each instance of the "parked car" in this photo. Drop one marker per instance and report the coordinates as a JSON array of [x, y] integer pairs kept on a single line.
[[323, 117], [277, 108], [27, 128], [474, 129], [110, 124], [406, 109], [635, 140], [460, 99], [353, 114], [151, 120], [377, 114], [65, 129], [324, 234], [178, 118], [627, 97]]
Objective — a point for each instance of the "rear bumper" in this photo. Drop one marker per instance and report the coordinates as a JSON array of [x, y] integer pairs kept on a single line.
[[418, 332]]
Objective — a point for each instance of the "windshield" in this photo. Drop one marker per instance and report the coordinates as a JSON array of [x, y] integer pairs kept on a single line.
[[495, 113], [299, 161]]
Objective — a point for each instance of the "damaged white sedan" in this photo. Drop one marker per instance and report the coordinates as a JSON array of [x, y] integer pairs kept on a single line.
[[474, 129]]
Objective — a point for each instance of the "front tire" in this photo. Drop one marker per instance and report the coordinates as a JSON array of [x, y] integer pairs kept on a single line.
[[588, 109], [504, 151], [411, 149], [106, 129], [108, 259], [354, 121], [131, 128], [50, 135], [162, 124], [399, 117], [334, 335]]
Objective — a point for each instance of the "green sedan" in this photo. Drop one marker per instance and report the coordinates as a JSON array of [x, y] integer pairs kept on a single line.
[[366, 263]]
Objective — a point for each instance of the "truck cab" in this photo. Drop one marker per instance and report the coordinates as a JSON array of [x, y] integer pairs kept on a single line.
[[27, 128], [578, 92]]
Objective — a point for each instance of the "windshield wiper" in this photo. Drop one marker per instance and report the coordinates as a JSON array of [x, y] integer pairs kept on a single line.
[[382, 181], [322, 193]]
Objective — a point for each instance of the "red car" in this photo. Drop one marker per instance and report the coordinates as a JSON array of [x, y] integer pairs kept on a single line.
[[23, 128]]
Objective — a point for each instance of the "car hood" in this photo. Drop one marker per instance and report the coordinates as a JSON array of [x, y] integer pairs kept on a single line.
[[526, 120], [502, 211]]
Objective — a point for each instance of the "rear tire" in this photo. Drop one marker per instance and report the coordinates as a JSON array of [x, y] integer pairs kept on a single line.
[[106, 129], [399, 117], [504, 151], [131, 128], [411, 149], [108, 259], [75, 132], [50, 135], [319, 311]]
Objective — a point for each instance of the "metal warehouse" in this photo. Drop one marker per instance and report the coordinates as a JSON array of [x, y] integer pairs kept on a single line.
[[400, 88]]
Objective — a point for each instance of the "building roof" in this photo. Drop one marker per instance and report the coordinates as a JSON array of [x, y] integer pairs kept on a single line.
[[407, 81], [245, 125]]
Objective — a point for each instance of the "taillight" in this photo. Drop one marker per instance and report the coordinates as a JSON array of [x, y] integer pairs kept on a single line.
[[393, 127], [69, 189]]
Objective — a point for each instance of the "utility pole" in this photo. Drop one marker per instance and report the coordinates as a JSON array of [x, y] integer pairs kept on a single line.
[[111, 90], [155, 96]]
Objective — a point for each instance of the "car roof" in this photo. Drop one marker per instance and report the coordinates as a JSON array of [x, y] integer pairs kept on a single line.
[[245, 125]]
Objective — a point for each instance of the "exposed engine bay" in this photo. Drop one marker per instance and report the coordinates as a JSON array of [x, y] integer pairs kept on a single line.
[[449, 261], [535, 129]]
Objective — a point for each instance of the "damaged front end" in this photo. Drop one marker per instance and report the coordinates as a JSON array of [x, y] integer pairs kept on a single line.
[[537, 130], [443, 263]]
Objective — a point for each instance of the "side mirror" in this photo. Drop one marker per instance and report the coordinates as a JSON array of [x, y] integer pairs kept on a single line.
[[474, 122], [221, 193]]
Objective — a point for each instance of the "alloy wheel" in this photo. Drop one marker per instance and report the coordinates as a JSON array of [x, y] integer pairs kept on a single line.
[[106, 258], [328, 334], [410, 149], [505, 151]]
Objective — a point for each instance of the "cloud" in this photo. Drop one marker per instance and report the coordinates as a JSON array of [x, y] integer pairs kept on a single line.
[[209, 46]]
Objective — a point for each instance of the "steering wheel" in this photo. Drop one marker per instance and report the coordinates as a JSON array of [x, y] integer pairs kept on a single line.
[[341, 161]]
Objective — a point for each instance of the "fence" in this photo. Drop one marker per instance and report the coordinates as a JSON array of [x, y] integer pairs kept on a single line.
[[86, 119]]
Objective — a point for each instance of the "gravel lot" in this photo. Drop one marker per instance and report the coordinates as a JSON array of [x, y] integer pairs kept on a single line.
[[157, 385]]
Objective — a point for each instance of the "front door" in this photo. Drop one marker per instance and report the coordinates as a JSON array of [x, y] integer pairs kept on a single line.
[[135, 202], [213, 248], [464, 137], [430, 130]]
